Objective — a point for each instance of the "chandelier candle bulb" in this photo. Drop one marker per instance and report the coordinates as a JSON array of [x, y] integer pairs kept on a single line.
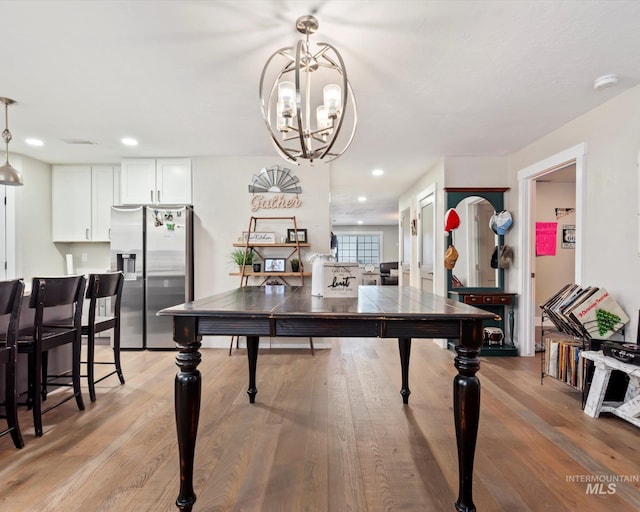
[[286, 95], [323, 121], [332, 99]]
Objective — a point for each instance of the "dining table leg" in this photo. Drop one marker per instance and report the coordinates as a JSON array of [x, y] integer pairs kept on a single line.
[[466, 408], [188, 390], [252, 356], [404, 345]]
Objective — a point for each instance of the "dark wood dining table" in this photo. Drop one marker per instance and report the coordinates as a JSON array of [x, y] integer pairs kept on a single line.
[[378, 312]]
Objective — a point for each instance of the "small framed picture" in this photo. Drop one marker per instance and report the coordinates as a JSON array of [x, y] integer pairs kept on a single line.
[[294, 236], [274, 264]]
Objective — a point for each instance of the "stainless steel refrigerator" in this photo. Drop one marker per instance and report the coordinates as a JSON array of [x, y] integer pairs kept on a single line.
[[153, 246]]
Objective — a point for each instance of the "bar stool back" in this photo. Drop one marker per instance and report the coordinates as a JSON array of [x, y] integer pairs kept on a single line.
[[11, 293]]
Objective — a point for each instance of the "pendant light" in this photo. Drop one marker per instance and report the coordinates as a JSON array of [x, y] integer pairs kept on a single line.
[[8, 174], [306, 99]]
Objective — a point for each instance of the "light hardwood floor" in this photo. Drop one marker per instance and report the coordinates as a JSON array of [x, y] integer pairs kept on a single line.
[[327, 433]]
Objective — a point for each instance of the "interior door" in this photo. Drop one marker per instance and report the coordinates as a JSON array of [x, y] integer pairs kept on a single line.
[[427, 242]]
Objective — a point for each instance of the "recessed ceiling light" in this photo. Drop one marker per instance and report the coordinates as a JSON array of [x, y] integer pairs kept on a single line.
[[605, 81], [34, 142], [362, 199], [377, 172], [128, 141], [360, 222]]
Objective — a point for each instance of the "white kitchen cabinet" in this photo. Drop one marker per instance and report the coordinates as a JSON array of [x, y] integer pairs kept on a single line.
[[155, 181], [102, 191], [81, 200]]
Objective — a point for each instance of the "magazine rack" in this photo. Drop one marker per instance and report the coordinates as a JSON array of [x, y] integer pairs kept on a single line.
[[584, 317]]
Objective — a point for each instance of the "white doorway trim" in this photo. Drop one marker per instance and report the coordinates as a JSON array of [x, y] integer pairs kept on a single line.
[[526, 186], [427, 196]]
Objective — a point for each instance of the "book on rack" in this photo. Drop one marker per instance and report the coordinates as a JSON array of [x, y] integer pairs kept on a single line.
[[600, 315], [585, 312]]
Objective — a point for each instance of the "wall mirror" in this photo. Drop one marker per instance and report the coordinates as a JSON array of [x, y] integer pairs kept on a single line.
[[475, 242], [474, 239]]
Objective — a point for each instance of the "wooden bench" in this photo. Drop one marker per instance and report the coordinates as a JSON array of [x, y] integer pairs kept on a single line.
[[629, 408]]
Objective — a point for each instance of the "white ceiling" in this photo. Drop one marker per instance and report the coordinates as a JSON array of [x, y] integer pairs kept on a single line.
[[431, 78]]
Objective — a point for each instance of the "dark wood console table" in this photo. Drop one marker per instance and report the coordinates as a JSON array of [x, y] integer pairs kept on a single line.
[[498, 302], [379, 311]]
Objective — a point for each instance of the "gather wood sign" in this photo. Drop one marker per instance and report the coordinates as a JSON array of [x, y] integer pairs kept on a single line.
[[259, 202]]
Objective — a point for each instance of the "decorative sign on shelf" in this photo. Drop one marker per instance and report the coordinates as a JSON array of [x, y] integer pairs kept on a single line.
[[341, 279], [259, 237], [278, 181]]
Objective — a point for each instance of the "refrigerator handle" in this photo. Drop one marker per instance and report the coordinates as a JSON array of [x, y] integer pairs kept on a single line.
[[151, 192], [158, 194]]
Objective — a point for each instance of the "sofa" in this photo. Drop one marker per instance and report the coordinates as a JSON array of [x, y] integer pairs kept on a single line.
[[386, 277]]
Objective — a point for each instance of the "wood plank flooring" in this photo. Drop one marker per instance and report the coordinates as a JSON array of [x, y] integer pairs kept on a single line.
[[327, 433]]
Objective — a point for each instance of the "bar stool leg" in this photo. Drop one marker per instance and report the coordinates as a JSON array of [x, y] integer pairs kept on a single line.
[[116, 353], [90, 366], [35, 396], [11, 407], [75, 374]]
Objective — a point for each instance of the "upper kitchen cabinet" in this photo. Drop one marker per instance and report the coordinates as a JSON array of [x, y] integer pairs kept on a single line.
[[155, 181], [82, 196]]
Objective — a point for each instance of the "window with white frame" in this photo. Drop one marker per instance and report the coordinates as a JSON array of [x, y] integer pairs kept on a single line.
[[359, 248]]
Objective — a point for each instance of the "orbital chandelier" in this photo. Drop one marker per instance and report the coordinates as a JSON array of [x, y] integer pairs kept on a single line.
[[307, 101], [9, 175]]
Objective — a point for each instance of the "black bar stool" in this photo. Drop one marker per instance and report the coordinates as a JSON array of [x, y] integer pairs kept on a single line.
[[11, 293], [36, 341], [103, 286]]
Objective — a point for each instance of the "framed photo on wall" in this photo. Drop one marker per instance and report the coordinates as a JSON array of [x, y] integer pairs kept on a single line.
[[274, 264], [299, 235]]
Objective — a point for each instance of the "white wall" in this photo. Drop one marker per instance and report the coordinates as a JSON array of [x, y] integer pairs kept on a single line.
[[433, 178], [610, 246], [222, 207], [221, 203], [476, 172], [36, 255]]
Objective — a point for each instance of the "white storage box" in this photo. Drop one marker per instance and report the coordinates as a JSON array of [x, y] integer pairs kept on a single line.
[[341, 279]]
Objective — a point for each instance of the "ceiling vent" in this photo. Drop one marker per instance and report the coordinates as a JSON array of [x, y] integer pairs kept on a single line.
[[77, 141]]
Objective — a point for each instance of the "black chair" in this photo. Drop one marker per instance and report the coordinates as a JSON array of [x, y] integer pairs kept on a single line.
[[385, 273], [10, 305], [44, 335], [102, 286]]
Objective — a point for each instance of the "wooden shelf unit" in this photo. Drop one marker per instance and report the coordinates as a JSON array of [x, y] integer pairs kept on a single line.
[[246, 271]]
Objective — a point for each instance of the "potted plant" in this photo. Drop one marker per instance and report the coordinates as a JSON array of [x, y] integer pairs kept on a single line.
[[238, 256], [295, 265]]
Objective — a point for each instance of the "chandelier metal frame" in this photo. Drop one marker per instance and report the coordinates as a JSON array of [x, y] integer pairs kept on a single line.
[[295, 125]]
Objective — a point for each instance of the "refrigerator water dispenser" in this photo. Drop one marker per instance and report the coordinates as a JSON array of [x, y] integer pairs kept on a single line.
[[127, 264]]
